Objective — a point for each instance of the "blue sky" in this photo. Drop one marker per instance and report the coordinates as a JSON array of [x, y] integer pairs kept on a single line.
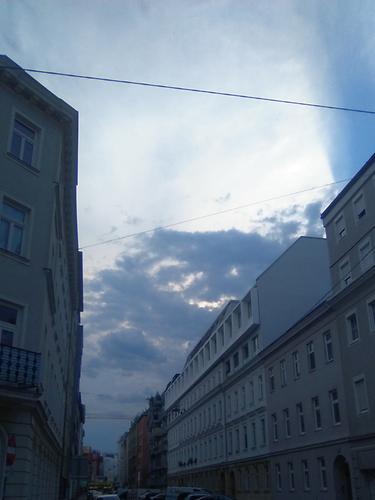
[[149, 157]]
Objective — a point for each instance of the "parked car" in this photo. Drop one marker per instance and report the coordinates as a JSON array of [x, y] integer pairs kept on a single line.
[[196, 496], [182, 492], [158, 496], [108, 497], [215, 497], [147, 495]]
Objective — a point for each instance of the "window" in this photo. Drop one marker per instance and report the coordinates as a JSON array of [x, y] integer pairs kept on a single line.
[[366, 257], [255, 345], [227, 367], [236, 360], [310, 356], [352, 327], [271, 378], [360, 392], [323, 473], [221, 336], [237, 315], [243, 397], [274, 427], [236, 402], [306, 474], [254, 434], [263, 431], [291, 476], [340, 227], [283, 372], [317, 413], [208, 354], [12, 227], [371, 313], [301, 418], [245, 351], [229, 403], [220, 409], [230, 443], [214, 344], [345, 273], [228, 325], [24, 141], [249, 308], [251, 392], [245, 441], [286, 422], [8, 324], [278, 476], [335, 407], [260, 387], [296, 365], [328, 348], [237, 440], [359, 207]]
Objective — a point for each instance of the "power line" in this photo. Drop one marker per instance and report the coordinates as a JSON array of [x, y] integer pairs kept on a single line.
[[192, 89], [200, 217]]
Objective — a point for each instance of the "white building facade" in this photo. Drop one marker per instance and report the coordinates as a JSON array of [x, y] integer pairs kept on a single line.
[[40, 288], [217, 407]]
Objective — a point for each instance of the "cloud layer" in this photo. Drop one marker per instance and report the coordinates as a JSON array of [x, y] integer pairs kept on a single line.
[[146, 313]]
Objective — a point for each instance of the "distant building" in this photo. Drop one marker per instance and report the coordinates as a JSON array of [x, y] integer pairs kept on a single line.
[[41, 414], [110, 467], [143, 451], [132, 445], [123, 461], [158, 442]]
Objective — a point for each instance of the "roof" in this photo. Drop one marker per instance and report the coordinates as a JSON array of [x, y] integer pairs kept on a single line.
[[351, 183]]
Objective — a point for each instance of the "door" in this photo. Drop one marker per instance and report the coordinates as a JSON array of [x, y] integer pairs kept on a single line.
[[343, 485]]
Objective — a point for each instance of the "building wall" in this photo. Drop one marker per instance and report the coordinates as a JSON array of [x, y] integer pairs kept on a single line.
[[354, 297], [41, 279], [220, 422], [291, 286]]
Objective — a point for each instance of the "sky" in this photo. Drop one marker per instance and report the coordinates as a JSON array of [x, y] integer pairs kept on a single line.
[[152, 157]]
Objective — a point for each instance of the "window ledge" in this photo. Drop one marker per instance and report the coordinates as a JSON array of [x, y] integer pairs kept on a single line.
[[26, 166], [14, 256]]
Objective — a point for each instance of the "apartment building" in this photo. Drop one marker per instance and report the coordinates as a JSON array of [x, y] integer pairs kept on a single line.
[[40, 289], [123, 460], [217, 407], [276, 400], [158, 442], [350, 225], [319, 375]]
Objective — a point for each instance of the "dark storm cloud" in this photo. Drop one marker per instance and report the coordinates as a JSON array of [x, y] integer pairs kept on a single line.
[[147, 306]]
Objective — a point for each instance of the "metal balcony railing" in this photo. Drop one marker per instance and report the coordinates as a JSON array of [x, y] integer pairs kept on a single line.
[[19, 367]]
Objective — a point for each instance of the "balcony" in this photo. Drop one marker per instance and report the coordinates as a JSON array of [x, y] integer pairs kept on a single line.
[[19, 367]]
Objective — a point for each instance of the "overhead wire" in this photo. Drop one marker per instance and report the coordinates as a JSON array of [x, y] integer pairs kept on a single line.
[[192, 89], [213, 214]]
